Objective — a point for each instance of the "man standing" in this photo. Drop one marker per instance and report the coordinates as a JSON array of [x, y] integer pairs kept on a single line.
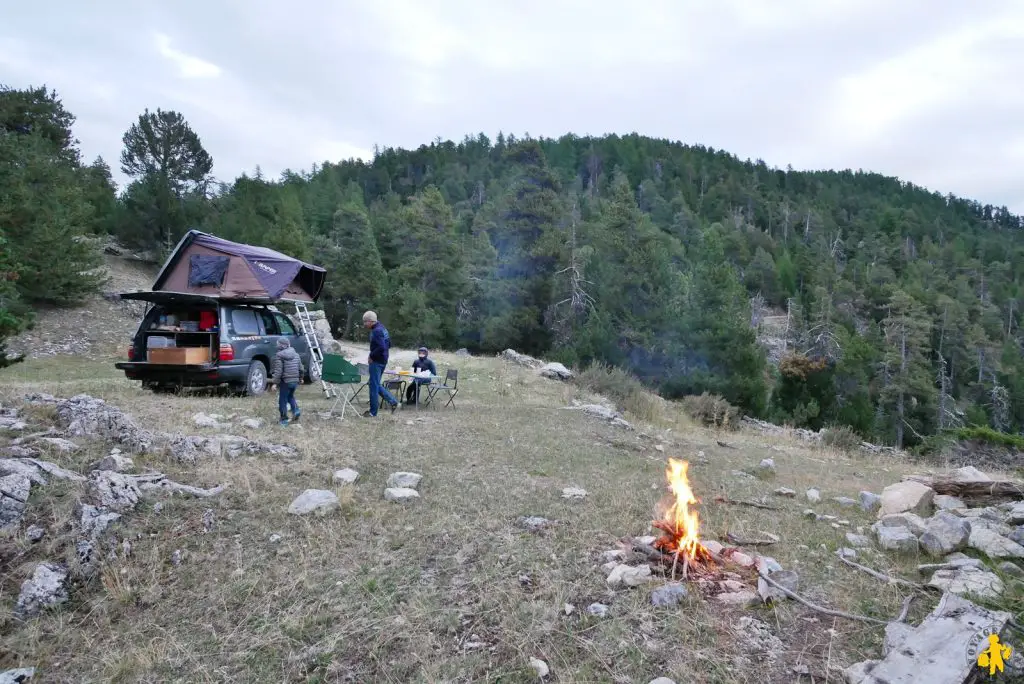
[[380, 346]]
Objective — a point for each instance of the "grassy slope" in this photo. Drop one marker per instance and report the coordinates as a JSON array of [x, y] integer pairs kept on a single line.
[[390, 593]]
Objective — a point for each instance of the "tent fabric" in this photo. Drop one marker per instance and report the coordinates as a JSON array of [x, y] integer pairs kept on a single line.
[[220, 268], [207, 269]]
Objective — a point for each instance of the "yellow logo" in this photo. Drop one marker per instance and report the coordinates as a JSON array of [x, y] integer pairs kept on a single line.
[[995, 656]]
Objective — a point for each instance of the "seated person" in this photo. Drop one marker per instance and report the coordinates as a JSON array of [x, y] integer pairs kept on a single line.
[[423, 363]]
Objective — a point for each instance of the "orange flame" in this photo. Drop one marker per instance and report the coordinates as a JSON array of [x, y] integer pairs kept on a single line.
[[681, 524]]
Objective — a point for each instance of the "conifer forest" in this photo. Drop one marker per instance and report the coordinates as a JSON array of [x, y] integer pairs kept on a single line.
[[888, 308]]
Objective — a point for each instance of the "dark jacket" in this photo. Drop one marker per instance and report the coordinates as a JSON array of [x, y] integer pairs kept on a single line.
[[424, 364], [286, 368], [380, 343]]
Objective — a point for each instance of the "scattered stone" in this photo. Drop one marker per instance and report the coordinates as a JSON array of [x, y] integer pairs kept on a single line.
[[785, 491], [203, 420], [556, 371], [711, 545], [967, 581], [176, 557], [613, 555], [813, 495], [907, 496], [597, 609], [766, 468], [769, 594], [602, 412], [14, 493], [209, 520], [59, 444], [574, 493], [540, 667], [668, 595], [870, 502], [757, 639], [914, 523], [970, 474], [521, 359], [629, 576], [1014, 513], [808, 513], [17, 676], [533, 523], [116, 462], [993, 544], [404, 480], [345, 476], [93, 522], [898, 539], [945, 502], [252, 423], [274, 538], [828, 518], [944, 534], [190, 448], [936, 651], [400, 494], [44, 589], [741, 559], [847, 553], [86, 416], [319, 501], [660, 448], [34, 534], [951, 562], [743, 475], [662, 680], [845, 501], [568, 609], [1011, 569], [767, 565], [738, 598], [858, 541], [1017, 535], [113, 490]]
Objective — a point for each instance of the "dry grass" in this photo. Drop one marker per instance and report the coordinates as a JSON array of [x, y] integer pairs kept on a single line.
[[379, 592]]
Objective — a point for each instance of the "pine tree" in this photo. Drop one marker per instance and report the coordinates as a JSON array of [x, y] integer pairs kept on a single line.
[[907, 388]]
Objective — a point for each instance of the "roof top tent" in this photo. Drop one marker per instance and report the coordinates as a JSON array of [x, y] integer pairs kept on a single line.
[[206, 265]]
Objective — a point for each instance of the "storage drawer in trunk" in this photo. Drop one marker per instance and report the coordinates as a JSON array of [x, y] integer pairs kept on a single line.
[[180, 355]]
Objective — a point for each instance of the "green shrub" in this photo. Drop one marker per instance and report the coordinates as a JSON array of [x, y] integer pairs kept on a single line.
[[842, 438], [711, 410], [622, 387], [986, 434]]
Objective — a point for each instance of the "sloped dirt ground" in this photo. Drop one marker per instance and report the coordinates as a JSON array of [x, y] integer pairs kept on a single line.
[[447, 588]]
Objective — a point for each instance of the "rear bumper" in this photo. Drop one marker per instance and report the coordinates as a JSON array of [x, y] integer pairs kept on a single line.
[[193, 375]]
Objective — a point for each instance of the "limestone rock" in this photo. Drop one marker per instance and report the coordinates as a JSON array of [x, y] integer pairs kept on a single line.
[[993, 544], [252, 423], [93, 522], [912, 522], [907, 496], [345, 476], [845, 501], [968, 581], [540, 667], [114, 491], [14, 492], [116, 462], [898, 539], [945, 502], [17, 676], [1011, 569], [86, 416], [668, 595], [521, 359], [769, 594], [813, 495], [319, 501], [59, 444], [1015, 514], [970, 474], [944, 534], [556, 371], [857, 541], [400, 494], [44, 589], [34, 534], [629, 576], [766, 468], [574, 493], [785, 491], [738, 598], [870, 502], [404, 480]]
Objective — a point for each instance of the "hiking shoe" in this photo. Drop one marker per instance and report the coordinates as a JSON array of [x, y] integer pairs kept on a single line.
[[367, 414], [284, 422], [295, 418], [394, 406]]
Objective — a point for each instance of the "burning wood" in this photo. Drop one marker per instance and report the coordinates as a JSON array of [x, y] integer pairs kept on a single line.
[[680, 526]]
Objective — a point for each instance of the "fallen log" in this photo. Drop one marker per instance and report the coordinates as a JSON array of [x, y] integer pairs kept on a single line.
[[973, 491], [741, 502]]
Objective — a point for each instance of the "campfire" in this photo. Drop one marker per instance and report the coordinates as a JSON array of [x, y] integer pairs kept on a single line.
[[680, 526]]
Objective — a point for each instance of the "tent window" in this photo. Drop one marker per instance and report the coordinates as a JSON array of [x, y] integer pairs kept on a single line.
[[207, 269]]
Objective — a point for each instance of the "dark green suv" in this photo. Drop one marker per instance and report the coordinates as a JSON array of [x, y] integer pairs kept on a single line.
[[188, 340]]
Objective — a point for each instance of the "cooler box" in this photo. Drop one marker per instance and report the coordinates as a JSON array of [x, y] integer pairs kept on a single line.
[[180, 355]]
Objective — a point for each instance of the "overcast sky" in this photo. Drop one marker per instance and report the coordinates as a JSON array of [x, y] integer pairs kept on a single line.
[[927, 90]]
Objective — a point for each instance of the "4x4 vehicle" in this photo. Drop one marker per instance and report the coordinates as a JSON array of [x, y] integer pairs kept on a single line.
[[188, 340]]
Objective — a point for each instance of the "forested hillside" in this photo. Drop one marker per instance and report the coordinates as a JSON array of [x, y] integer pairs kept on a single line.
[[903, 305]]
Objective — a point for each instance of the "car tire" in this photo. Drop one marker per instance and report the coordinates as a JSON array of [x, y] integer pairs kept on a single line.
[[256, 379], [162, 389], [311, 377]]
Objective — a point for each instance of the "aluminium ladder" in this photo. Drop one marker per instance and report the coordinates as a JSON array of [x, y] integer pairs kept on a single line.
[[316, 354]]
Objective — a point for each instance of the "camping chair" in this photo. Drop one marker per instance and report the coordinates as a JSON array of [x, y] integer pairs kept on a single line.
[[450, 385], [338, 371], [364, 370]]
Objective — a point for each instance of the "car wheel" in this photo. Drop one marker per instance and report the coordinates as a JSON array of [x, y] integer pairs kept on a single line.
[[256, 380], [159, 388], [312, 374]]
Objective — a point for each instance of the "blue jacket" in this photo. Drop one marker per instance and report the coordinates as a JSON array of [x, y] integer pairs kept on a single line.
[[380, 344]]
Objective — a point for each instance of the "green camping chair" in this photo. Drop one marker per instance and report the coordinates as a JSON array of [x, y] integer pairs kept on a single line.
[[338, 371]]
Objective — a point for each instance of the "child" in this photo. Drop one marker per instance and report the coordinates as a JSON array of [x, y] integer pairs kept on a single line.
[[286, 373]]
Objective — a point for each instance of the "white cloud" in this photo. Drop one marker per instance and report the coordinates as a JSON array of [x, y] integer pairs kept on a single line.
[[189, 66]]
